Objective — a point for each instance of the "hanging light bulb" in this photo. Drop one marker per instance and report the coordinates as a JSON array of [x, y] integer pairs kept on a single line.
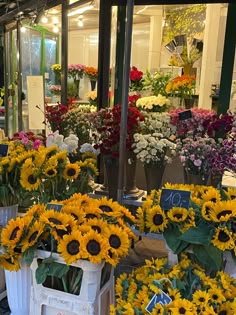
[[55, 29], [23, 29], [44, 19]]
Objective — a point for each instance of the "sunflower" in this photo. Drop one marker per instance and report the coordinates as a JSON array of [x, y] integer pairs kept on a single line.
[[118, 240], [223, 211], [207, 207], [98, 225], [212, 194], [69, 223], [156, 219], [223, 239], [177, 214], [201, 297], [54, 219], [12, 233], [95, 247], [108, 207], [182, 306], [228, 308], [50, 172], [112, 258], [89, 154], [216, 295], [71, 171], [174, 294], [28, 177], [230, 193], [36, 210], [70, 247], [33, 234], [140, 219], [9, 262], [75, 211], [158, 310]]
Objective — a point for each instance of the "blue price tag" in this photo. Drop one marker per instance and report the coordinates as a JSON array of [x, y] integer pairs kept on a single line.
[[174, 198], [54, 206], [161, 298], [4, 150]]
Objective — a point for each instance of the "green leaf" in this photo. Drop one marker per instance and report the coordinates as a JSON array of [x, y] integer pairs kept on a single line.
[[210, 256], [58, 270], [172, 237], [29, 255], [41, 273], [197, 235], [48, 260]]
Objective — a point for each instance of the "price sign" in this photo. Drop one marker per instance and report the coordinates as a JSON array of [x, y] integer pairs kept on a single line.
[[187, 114], [54, 206], [174, 198], [4, 150], [161, 298]]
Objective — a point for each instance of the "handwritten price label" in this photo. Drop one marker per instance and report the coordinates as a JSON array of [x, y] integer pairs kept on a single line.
[[174, 198], [54, 206]]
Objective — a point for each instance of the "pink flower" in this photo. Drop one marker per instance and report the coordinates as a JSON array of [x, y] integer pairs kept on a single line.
[[197, 163]]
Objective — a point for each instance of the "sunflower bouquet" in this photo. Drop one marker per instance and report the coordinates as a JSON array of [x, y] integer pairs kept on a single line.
[[158, 288], [204, 230], [85, 228]]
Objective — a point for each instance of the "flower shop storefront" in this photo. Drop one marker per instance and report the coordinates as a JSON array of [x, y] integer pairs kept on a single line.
[[73, 231]]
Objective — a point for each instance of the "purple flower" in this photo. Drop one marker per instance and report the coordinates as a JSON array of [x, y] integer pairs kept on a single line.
[[197, 163]]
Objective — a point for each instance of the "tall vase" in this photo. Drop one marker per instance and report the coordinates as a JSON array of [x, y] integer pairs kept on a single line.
[[188, 102], [195, 179], [131, 191], [77, 84], [154, 174], [112, 172], [93, 84], [18, 285], [187, 68]]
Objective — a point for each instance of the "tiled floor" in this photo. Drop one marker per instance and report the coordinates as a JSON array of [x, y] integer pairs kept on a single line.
[[4, 309]]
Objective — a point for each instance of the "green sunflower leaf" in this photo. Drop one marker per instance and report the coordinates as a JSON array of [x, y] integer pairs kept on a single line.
[[29, 255], [197, 235], [172, 237], [210, 256], [58, 270], [41, 273]]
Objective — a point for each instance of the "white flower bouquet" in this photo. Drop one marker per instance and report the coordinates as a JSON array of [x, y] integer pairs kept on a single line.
[[153, 103]]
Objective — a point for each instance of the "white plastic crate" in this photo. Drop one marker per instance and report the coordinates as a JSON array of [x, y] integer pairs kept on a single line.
[[91, 301]]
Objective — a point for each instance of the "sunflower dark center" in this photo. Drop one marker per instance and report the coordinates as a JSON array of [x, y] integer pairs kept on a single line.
[[74, 216], [90, 216], [32, 180], [202, 299], [96, 228], [178, 215], [223, 237], [13, 233], [93, 247], [213, 199], [182, 310], [73, 247], [71, 172], [54, 220], [50, 172], [233, 197], [207, 209], [105, 208], [158, 219], [33, 236], [223, 213], [114, 241], [215, 297], [222, 312]]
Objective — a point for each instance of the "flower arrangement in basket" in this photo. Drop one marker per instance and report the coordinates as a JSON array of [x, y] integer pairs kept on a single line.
[[185, 288], [135, 77], [107, 124], [83, 229], [76, 71], [204, 230], [55, 89], [91, 73], [182, 86], [153, 103]]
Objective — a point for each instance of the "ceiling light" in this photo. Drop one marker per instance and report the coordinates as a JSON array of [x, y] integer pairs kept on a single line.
[[23, 29], [44, 20], [80, 23], [55, 20], [55, 29], [81, 10]]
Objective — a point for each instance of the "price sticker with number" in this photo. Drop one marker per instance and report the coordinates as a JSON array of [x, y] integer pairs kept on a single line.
[[174, 198], [161, 298], [54, 206]]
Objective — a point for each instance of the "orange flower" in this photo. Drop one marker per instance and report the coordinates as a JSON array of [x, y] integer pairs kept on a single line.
[[91, 72]]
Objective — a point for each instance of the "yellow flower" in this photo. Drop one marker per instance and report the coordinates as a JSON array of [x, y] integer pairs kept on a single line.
[[223, 239], [156, 219]]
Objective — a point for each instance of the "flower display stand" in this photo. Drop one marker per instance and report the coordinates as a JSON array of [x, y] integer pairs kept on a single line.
[[92, 299]]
